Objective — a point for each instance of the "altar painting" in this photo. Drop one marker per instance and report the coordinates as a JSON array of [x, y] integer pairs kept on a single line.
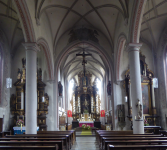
[[146, 99], [85, 104]]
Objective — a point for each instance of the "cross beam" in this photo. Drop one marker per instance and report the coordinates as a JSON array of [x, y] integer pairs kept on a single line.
[[84, 61]]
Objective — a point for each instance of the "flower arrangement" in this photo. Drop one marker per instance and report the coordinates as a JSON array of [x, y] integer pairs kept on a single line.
[[19, 122], [84, 126], [146, 123]]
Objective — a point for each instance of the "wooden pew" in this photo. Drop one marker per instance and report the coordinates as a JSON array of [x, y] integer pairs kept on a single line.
[[128, 132], [63, 139], [3, 133], [133, 142], [28, 147], [130, 138], [134, 135], [40, 137], [71, 133], [57, 144], [143, 147]]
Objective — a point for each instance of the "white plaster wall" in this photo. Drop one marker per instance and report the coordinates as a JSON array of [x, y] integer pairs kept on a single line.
[[17, 63], [160, 93], [42, 30], [145, 50], [42, 63], [5, 103]]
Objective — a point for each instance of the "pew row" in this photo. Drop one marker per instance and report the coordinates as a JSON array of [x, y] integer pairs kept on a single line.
[[135, 147], [133, 142], [57, 144], [39, 138], [28, 147], [71, 133]]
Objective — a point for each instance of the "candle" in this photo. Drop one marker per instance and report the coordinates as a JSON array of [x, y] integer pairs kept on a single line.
[[21, 127], [135, 117], [43, 99]]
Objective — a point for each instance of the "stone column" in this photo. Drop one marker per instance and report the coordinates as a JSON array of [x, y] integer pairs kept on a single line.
[[56, 106], [31, 87], [136, 94]]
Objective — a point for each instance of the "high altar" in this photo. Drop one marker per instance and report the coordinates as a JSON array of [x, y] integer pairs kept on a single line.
[[85, 100]]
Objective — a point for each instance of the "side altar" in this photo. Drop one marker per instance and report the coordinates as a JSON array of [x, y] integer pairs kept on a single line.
[[85, 100]]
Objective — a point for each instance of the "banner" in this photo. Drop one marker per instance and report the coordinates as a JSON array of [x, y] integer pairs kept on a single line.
[[102, 113], [69, 113]]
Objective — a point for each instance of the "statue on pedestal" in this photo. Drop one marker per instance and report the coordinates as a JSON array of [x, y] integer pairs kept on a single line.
[[139, 107], [60, 88], [109, 88]]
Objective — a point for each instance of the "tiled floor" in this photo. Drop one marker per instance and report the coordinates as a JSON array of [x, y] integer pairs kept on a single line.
[[85, 143]]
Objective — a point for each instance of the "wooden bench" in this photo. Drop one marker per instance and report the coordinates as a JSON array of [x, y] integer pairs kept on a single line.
[[58, 144], [46, 137], [133, 142], [71, 133], [3, 133], [98, 132], [130, 138], [143, 147], [28, 147], [134, 135]]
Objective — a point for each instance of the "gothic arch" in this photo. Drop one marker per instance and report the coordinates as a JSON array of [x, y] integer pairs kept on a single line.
[[136, 19], [68, 48], [119, 55], [49, 59], [25, 20]]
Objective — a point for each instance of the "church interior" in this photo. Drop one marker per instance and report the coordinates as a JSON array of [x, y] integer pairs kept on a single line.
[[67, 65]]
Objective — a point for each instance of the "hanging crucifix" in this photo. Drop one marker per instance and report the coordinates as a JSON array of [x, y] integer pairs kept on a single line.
[[84, 61]]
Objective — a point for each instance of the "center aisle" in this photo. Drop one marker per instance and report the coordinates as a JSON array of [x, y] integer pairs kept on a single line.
[[85, 143]]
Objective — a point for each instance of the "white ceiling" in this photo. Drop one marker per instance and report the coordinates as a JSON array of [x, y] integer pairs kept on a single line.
[[101, 15]]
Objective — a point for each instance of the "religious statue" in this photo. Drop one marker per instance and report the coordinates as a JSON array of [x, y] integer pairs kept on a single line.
[[18, 74], [40, 74], [23, 74], [60, 88], [139, 107], [84, 81], [109, 88], [23, 62]]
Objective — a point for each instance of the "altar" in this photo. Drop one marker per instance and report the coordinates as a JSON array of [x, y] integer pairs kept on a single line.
[[17, 130], [90, 123]]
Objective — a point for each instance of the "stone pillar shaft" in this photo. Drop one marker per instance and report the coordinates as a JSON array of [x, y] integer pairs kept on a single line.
[[31, 87], [136, 94]]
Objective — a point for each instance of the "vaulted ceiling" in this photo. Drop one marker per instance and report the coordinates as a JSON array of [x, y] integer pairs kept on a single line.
[[100, 15]]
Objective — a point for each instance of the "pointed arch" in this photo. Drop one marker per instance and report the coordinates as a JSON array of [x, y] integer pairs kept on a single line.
[[25, 20], [119, 56], [136, 19], [49, 59]]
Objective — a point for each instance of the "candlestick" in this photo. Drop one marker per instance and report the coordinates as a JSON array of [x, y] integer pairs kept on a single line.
[[21, 127]]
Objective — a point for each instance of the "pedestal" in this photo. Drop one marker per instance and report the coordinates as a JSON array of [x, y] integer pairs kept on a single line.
[[97, 124], [75, 124]]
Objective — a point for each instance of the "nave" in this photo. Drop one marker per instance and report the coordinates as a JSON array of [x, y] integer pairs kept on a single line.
[[85, 143]]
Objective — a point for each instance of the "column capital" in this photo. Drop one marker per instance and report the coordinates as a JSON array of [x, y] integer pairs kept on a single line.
[[133, 47], [33, 46]]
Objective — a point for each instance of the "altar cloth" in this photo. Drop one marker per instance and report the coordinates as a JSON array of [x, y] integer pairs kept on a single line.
[[17, 130], [90, 123]]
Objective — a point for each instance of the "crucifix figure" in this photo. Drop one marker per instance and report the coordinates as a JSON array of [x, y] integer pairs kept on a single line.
[[84, 61]]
